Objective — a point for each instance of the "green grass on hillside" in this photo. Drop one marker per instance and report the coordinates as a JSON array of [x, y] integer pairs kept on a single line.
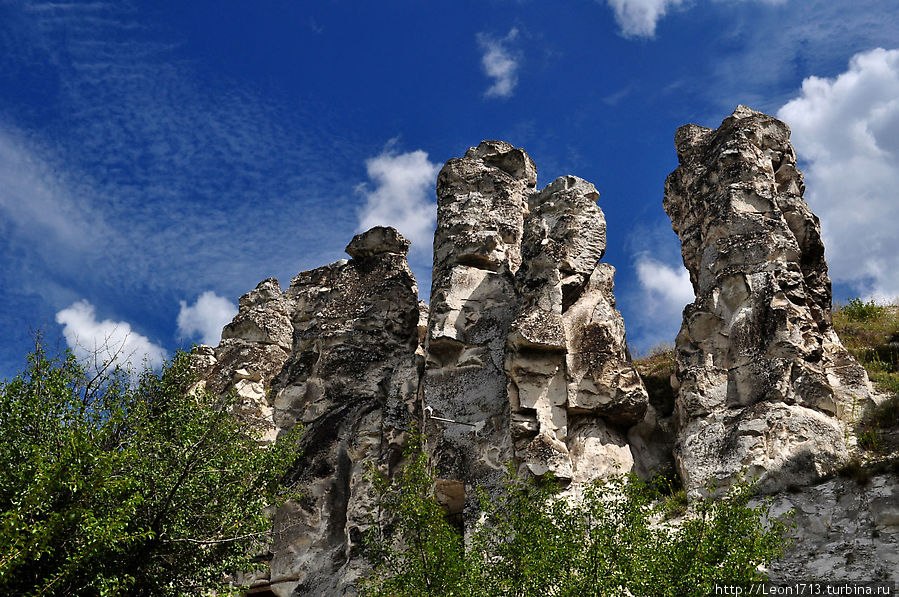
[[871, 333], [656, 370]]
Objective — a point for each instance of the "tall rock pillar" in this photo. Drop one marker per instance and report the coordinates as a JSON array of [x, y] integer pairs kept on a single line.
[[764, 383], [526, 358], [482, 200], [337, 352]]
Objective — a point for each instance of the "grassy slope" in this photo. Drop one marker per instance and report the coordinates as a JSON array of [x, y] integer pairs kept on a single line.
[[871, 333]]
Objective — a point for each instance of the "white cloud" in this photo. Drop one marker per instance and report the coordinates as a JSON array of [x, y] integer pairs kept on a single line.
[[98, 342], [205, 318], [664, 292], [638, 18], [500, 63], [402, 196], [35, 198], [846, 132]]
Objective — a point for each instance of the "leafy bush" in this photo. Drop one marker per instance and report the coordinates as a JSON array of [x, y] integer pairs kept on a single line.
[[858, 310], [612, 541], [656, 369], [871, 440], [109, 487]]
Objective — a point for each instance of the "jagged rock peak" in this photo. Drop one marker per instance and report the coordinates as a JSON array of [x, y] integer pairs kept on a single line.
[[508, 158], [376, 241], [482, 199], [337, 352], [526, 358], [764, 382]]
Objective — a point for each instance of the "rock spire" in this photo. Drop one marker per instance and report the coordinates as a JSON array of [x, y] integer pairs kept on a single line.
[[526, 357], [336, 353], [764, 383]]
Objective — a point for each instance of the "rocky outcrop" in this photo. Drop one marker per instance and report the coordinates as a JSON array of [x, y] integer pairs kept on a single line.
[[764, 383], [521, 355], [526, 358], [520, 358], [335, 352], [842, 531]]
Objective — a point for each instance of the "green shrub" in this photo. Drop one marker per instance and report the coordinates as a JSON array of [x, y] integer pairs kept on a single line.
[[614, 540], [871, 440], [109, 487], [858, 310], [675, 504]]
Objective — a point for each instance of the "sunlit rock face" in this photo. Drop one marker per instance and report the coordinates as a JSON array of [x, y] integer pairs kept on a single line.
[[526, 357], [764, 383], [336, 353], [520, 359]]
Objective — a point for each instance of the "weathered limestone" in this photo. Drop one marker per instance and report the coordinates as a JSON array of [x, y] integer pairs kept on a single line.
[[526, 359], [764, 383], [481, 203], [569, 375], [335, 352], [843, 531], [520, 358]]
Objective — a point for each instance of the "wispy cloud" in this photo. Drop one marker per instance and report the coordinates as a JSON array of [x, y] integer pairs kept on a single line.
[[36, 201], [97, 343], [168, 158], [846, 132], [148, 165], [401, 194], [638, 18], [500, 62], [205, 319], [812, 36]]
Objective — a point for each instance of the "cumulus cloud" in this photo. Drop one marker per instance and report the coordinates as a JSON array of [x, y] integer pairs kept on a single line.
[[664, 291], [638, 18], [500, 62], [205, 319], [401, 195], [846, 132], [100, 342]]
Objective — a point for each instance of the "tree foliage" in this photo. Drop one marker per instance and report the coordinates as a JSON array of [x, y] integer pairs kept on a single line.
[[111, 486], [612, 540]]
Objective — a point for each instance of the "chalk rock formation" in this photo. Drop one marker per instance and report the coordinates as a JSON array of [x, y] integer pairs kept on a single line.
[[764, 382], [481, 204], [843, 531], [526, 359], [335, 352]]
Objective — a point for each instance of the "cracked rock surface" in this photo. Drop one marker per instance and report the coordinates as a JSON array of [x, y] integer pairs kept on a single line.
[[336, 353], [764, 383], [526, 355]]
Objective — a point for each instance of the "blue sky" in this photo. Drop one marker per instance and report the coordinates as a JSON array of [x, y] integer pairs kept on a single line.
[[159, 159]]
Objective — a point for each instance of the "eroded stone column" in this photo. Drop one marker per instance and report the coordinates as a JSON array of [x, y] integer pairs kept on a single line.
[[764, 383], [526, 357], [337, 352], [482, 200], [572, 388]]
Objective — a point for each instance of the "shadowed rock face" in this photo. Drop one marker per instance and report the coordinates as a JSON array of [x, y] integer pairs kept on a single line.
[[335, 352], [764, 382], [526, 359]]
